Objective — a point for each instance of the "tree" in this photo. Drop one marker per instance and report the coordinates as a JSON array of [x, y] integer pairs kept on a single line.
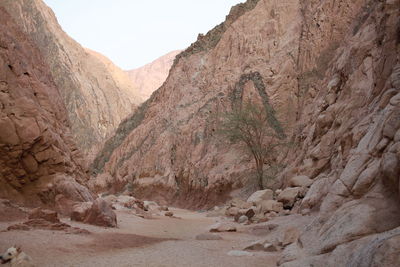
[[249, 126]]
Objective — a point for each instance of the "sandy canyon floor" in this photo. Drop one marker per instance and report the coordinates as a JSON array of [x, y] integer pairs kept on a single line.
[[161, 241]]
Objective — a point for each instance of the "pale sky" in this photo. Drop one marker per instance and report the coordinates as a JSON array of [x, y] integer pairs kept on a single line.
[[133, 33]]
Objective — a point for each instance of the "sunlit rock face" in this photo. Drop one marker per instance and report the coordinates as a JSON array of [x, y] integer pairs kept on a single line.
[[96, 93], [151, 76], [38, 156]]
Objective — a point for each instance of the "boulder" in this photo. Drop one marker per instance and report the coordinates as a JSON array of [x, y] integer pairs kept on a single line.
[[223, 227], [271, 205], [288, 196], [261, 195], [99, 213], [300, 181], [47, 215], [208, 236]]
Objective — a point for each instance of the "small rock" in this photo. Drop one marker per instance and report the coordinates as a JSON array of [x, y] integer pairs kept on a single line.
[[243, 219], [169, 214], [164, 208], [208, 236], [239, 253], [223, 227]]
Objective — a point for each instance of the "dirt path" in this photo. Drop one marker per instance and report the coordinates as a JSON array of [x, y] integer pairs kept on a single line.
[[161, 241]]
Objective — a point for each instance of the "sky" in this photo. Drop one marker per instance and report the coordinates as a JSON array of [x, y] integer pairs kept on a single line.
[[133, 33]]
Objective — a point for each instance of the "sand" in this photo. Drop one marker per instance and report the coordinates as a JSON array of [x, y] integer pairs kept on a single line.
[[162, 241]]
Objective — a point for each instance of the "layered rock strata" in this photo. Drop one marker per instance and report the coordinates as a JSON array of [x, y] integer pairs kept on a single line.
[[38, 157]]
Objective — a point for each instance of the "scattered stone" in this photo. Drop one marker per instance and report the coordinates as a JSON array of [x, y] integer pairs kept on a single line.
[[208, 236], [261, 195], [239, 253]]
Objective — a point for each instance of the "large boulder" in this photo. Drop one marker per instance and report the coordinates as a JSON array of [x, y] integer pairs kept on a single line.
[[99, 212], [261, 195], [288, 196]]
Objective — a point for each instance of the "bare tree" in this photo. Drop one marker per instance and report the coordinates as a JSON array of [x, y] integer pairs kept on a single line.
[[248, 125]]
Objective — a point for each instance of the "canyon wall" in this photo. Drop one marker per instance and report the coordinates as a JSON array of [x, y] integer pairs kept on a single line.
[[97, 94], [39, 161], [151, 76], [330, 70]]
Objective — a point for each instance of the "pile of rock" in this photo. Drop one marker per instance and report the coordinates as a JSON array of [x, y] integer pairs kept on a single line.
[[264, 205]]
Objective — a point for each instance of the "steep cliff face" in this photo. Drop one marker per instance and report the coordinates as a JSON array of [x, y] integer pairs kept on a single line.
[[151, 76], [169, 144], [97, 94], [325, 68], [38, 157]]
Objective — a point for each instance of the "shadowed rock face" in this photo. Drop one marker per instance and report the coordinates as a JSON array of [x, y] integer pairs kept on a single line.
[[35, 141], [330, 73], [96, 93], [151, 76]]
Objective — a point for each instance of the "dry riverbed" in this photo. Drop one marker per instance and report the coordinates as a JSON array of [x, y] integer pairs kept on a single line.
[[161, 241]]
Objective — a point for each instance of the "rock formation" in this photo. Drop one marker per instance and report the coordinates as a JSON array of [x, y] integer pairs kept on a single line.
[[330, 71], [97, 94], [38, 157], [151, 76]]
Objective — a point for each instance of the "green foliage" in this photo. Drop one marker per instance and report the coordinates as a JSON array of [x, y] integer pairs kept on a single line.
[[248, 125]]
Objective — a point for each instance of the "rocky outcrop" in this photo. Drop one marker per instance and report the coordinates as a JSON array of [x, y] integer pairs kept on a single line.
[[95, 92], [98, 212], [151, 76], [37, 151]]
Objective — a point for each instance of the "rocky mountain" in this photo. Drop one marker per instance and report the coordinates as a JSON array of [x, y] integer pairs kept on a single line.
[[151, 76], [39, 161], [97, 94], [330, 71]]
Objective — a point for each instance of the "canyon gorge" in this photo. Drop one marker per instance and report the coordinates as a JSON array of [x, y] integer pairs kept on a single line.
[[108, 147]]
